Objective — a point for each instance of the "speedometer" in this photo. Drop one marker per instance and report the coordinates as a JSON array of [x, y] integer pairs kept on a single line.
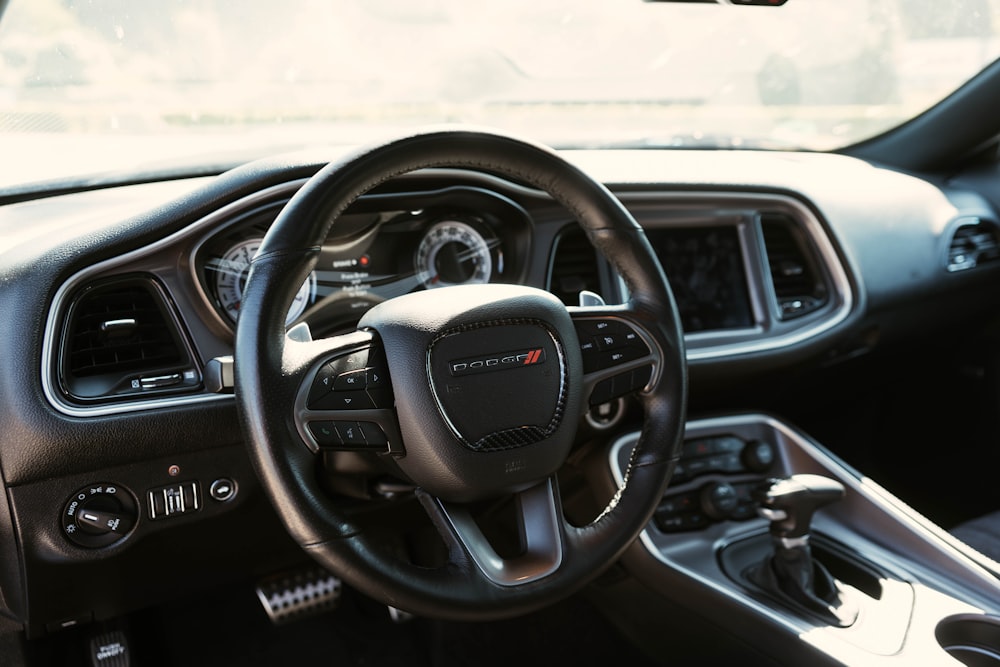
[[231, 278], [453, 253]]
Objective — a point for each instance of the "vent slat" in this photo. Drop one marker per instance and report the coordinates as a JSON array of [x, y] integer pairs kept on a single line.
[[574, 267], [147, 345], [797, 285], [974, 243]]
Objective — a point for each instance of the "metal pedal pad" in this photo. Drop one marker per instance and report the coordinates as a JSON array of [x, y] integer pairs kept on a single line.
[[293, 595]]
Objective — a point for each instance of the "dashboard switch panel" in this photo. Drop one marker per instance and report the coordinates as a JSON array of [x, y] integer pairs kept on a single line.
[[733, 468], [174, 500], [698, 509], [723, 454]]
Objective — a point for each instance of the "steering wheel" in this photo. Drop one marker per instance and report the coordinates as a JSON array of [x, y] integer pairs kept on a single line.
[[469, 392]]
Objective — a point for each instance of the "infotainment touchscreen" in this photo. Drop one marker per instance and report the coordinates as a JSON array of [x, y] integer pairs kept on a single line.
[[707, 273]]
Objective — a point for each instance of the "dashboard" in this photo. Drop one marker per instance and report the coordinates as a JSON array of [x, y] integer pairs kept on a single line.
[[751, 273], [134, 291]]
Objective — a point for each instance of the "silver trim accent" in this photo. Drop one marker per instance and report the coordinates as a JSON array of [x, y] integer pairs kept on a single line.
[[794, 542], [296, 594], [590, 299], [540, 524], [978, 576], [772, 514], [50, 346], [752, 203], [112, 326], [619, 414], [257, 198], [824, 246]]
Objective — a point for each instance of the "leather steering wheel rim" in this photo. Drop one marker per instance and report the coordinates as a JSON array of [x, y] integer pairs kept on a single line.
[[268, 370]]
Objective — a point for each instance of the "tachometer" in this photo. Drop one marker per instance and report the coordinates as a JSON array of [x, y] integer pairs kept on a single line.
[[453, 253], [231, 278]]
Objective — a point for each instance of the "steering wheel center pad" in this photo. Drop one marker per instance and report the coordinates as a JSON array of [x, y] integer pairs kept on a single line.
[[487, 381]]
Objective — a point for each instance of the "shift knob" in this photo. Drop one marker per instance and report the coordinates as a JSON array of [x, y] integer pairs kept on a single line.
[[790, 503]]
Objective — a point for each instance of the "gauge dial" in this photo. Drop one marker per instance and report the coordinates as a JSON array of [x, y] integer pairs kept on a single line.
[[453, 253], [231, 278]]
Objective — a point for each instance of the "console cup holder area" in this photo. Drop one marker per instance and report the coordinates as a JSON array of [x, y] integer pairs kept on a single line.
[[972, 639]]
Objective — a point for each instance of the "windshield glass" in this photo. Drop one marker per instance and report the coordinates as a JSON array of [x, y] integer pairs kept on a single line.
[[91, 86]]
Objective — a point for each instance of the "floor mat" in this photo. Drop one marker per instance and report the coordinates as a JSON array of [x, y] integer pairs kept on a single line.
[[232, 629]]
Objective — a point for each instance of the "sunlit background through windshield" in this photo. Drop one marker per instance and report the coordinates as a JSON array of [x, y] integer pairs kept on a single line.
[[95, 86]]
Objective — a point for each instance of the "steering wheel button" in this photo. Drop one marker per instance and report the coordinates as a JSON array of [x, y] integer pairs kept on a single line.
[[622, 355], [373, 434], [608, 341], [351, 380], [322, 384], [345, 400], [603, 392], [325, 433], [374, 377], [351, 434], [640, 377], [634, 342], [381, 396]]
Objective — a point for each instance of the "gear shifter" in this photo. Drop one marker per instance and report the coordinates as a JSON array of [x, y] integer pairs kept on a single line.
[[789, 505], [790, 572]]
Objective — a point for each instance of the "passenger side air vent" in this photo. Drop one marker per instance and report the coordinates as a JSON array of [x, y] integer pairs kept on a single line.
[[798, 285], [974, 242], [120, 339], [574, 267]]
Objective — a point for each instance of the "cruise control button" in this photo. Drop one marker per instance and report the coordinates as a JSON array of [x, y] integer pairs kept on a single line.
[[607, 341], [612, 358]]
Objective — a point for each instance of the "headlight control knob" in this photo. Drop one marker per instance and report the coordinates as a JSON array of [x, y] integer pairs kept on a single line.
[[99, 515]]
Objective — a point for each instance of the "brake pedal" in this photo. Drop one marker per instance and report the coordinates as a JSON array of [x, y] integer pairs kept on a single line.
[[294, 595]]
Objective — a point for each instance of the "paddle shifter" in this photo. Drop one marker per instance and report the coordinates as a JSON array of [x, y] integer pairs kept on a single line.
[[790, 572]]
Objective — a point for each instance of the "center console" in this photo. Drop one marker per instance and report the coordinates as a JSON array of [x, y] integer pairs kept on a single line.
[[914, 594]]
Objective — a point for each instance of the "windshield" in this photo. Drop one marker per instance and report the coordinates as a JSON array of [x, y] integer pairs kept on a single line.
[[91, 86]]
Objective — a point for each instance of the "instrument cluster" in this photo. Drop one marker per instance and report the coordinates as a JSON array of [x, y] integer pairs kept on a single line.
[[382, 247]]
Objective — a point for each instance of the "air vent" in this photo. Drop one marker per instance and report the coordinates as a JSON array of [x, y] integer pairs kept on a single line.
[[120, 340], [974, 243], [798, 285], [574, 267]]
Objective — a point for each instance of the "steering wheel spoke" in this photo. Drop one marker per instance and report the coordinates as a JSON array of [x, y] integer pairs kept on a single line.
[[619, 355], [538, 515], [344, 400]]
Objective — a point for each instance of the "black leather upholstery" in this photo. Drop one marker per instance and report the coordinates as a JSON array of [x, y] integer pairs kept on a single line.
[[982, 534]]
